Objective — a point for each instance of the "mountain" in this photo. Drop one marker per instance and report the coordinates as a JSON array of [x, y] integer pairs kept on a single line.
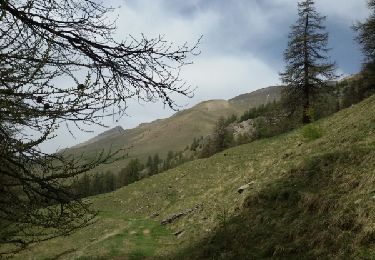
[[173, 133], [306, 194], [116, 131]]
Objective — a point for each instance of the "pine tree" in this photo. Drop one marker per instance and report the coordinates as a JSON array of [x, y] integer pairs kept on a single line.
[[222, 137], [155, 164], [366, 38], [149, 163], [307, 66], [86, 184], [97, 185], [109, 181], [167, 164], [134, 169], [366, 34]]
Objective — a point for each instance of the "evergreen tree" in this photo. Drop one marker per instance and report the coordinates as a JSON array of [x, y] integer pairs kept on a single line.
[[130, 173], [222, 138], [194, 145], [85, 185], [366, 38], [97, 185], [155, 164], [208, 148], [366, 34], [149, 163], [133, 169], [109, 179], [168, 161], [307, 66]]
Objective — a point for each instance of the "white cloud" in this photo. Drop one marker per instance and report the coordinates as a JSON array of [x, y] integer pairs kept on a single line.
[[223, 77], [347, 12]]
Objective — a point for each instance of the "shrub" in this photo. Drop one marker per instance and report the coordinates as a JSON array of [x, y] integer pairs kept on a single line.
[[311, 132]]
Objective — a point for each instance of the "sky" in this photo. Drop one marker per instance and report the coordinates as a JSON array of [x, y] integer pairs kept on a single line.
[[241, 49]]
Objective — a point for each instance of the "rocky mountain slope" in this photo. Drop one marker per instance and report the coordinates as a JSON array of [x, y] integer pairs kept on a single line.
[[173, 133]]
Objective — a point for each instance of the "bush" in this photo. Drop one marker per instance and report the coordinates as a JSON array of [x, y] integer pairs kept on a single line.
[[311, 132]]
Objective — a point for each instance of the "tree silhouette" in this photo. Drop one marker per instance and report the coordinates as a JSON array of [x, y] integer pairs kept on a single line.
[[307, 66], [61, 65]]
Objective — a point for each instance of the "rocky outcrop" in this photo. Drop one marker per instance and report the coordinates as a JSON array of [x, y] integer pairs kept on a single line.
[[244, 128], [176, 216], [245, 187]]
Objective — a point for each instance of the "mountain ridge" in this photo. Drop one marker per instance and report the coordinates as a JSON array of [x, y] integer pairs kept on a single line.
[[173, 133]]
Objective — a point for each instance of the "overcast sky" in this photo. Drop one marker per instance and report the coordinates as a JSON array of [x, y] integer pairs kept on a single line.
[[241, 50]]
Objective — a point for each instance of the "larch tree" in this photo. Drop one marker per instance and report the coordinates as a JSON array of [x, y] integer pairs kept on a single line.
[[61, 65], [307, 65], [366, 34], [366, 38]]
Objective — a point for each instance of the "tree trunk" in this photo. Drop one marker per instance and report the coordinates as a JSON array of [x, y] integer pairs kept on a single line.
[[306, 86]]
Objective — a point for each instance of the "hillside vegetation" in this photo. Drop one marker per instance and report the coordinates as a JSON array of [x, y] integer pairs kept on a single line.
[[155, 137], [311, 194]]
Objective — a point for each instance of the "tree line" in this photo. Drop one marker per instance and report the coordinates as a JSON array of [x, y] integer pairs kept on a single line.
[[108, 181]]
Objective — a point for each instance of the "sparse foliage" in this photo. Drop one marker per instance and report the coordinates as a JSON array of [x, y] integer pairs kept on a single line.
[[60, 64], [307, 66], [366, 34], [366, 38]]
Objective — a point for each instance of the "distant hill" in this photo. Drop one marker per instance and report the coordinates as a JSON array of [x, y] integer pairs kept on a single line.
[[173, 133], [116, 131]]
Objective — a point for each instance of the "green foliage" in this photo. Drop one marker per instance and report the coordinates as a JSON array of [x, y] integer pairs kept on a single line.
[[268, 127], [168, 162], [366, 34], [130, 173], [97, 184], [194, 145], [231, 119], [359, 87], [208, 149], [155, 164], [220, 139], [110, 183], [243, 139], [261, 110], [311, 132]]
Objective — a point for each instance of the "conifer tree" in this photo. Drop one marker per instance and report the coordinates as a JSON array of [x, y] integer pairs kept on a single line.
[[155, 164], [366, 37], [366, 34], [307, 64], [130, 173], [109, 181]]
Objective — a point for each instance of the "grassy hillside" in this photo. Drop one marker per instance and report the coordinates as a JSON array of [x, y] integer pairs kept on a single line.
[[184, 126], [311, 195]]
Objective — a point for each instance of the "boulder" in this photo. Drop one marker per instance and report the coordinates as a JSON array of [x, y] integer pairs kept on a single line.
[[245, 187]]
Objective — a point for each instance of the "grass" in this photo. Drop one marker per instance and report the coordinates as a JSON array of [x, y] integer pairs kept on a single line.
[[311, 198], [311, 132], [139, 239]]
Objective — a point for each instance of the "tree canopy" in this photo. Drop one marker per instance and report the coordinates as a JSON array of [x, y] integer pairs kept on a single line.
[[366, 34], [60, 64]]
